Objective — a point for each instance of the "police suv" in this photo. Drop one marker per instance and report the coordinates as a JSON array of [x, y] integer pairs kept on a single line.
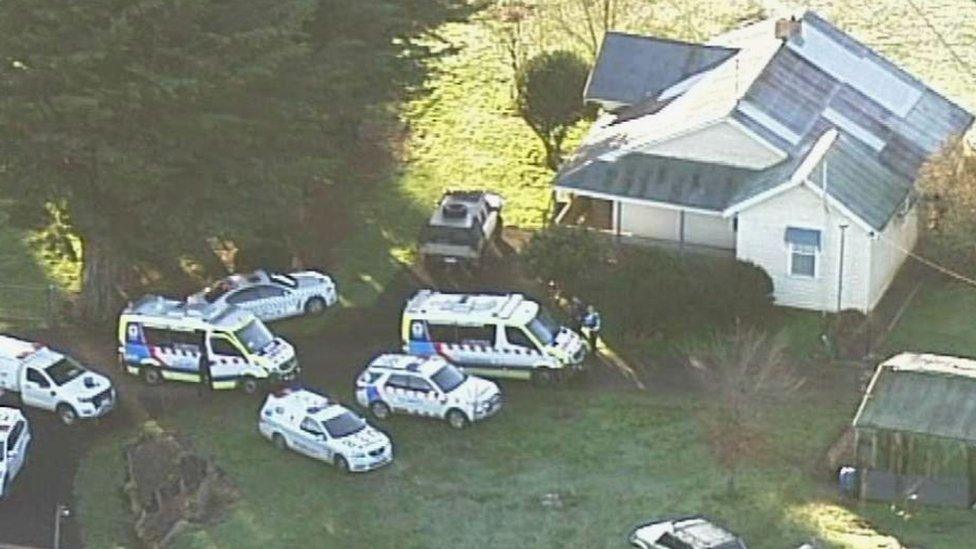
[[504, 335], [51, 381], [272, 296], [429, 387], [311, 424], [15, 437], [462, 227], [160, 339]]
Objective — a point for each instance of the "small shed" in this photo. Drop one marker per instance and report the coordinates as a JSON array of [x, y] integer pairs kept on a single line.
[[915, 431]]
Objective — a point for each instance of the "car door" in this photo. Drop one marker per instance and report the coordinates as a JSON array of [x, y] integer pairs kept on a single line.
[[397, 393], [38, 390], [520, 352], [226, 359], [17, 447], [314, 441], [248, 299], [426, 397], [278, 302]]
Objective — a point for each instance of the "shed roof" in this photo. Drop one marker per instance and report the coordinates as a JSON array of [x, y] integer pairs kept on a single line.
[[631, 68], [922, 394]]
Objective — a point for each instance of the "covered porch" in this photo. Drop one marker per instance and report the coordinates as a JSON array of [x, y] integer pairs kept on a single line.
[[642, 222]]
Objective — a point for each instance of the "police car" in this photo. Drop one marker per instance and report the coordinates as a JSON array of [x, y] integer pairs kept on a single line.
[[272, 296], [505, 335], [49, 380], [427, 387], [693, 532], [311, 424], [462, 227], [15, 437], [164, 339]]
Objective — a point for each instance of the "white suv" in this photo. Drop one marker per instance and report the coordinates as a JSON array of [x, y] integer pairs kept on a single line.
[[427, 387], [310, 424]]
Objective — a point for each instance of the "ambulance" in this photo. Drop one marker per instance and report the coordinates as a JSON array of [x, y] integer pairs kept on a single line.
[[160, 339], [49, 380], [507, 335]]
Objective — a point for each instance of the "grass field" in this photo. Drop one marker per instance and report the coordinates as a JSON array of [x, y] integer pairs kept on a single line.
[[940, 320]]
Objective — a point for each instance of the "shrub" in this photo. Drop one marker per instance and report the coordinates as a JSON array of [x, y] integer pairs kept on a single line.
[[649, 290]]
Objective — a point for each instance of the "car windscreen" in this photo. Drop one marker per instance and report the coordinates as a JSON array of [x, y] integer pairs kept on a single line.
[[254, 336], [448, 378], [460, 236], [544, 327], [64, 371], [344, 425]]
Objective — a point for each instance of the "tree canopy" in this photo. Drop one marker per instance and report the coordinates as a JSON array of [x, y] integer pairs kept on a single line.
[[550, 98], [150, 126]]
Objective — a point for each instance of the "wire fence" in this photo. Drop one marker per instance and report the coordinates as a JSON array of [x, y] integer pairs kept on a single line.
[[35, 305]]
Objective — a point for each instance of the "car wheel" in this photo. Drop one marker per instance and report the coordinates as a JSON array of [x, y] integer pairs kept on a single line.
[[249, 385], [279, 441], [341, 464], [380, 410], [457, 419], [315, 306], [67, 414], [543, 377], [151, 375]]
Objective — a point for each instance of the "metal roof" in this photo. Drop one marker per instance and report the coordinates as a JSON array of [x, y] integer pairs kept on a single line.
[[889, 124], [923, 394], [630, 68]]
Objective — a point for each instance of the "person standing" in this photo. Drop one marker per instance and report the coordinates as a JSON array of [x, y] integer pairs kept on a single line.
[[203, 366], [591, 326], [578, 310]]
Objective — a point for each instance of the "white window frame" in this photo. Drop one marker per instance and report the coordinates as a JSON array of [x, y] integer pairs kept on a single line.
[[814, 251]]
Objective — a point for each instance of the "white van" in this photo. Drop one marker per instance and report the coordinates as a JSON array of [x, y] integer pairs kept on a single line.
[[504, 335], [160, 339], [51, 381]]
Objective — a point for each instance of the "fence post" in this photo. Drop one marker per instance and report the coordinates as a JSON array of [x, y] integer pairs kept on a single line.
[[52, 317]]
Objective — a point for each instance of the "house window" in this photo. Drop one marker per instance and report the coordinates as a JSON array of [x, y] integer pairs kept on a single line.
[[804, 251]]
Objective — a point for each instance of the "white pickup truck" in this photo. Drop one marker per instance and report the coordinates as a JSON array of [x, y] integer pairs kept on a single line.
[[52, 381]]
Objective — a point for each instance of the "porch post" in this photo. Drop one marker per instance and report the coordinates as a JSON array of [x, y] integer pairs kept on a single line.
[[681, 230], [615, 219]]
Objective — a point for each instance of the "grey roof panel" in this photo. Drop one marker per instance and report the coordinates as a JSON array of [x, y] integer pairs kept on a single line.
[[860, 181], [630, 69]]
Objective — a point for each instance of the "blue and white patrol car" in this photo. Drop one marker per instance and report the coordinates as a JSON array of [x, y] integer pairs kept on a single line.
[[429, 387], [272, 296], [164, 339], [493, 335], [15, 437], [310, 424]]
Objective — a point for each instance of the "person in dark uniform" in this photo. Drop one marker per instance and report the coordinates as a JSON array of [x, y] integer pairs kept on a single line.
[[591, 326], [203, 366]]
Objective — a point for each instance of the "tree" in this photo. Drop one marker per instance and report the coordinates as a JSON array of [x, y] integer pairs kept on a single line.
[[743, 372], [586, 21], [550, 98], [948, 186]]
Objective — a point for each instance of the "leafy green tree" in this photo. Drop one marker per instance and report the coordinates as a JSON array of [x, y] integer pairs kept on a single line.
[[948, 186], [550, 98]]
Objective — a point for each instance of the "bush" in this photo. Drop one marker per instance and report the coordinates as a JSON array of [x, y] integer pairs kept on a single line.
[[648, 290]]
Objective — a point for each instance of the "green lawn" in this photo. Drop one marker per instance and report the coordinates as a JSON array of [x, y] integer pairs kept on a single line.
[[939, 320]]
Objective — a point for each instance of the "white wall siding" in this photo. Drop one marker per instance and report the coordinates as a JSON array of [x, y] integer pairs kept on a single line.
[[888, 253], [721, 143], [709, 230], [649, 221], [761, 240]]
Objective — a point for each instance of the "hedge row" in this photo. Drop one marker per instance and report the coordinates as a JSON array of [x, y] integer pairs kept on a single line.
[[650, 290]]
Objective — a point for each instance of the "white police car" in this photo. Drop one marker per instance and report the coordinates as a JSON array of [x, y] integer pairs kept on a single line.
[[692, 532], [272, 296], [15, 437], [427, 387], [311, 424]]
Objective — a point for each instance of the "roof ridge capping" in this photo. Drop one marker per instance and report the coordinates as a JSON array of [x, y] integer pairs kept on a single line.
[[930, 363]]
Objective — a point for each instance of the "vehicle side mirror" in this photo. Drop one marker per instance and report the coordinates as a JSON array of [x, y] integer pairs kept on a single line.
[[11, 454]]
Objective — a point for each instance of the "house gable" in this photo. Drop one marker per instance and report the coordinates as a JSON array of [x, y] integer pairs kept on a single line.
[[723, 142]]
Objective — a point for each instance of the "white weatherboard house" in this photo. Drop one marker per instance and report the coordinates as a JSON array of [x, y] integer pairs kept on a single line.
[[786, 142]]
